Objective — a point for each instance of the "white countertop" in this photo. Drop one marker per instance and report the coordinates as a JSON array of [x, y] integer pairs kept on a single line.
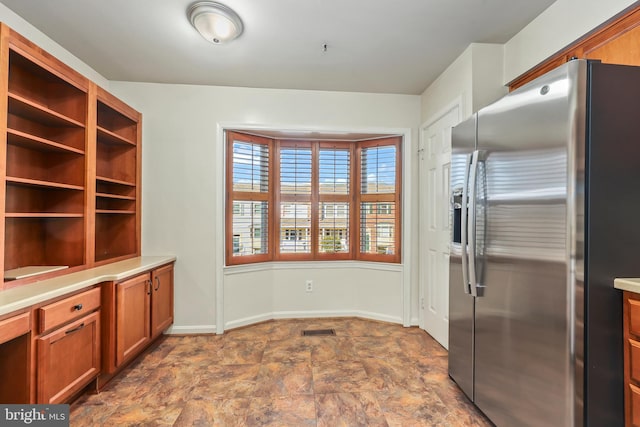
[[20, 297], [627, 284]]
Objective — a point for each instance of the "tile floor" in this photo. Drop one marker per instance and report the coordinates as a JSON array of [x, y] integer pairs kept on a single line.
[[370, 374]]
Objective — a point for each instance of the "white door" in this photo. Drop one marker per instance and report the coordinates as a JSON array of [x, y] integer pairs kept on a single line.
[[435, 160]]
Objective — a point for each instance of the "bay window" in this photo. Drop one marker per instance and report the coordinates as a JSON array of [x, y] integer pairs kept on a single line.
[[293, 200]]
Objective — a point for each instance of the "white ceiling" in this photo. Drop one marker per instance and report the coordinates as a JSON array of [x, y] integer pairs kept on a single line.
[[380, 46]]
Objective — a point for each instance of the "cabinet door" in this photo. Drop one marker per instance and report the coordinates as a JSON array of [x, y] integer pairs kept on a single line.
[[68, 358], [132, 317], [162, 300]]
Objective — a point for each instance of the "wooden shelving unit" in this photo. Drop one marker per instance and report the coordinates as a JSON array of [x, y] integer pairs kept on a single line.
[[117, 176], [71, 193], [45, 160]]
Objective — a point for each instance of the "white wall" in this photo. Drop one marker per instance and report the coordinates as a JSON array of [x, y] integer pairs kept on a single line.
[[562, 23], [339, 289], [475, 78], [455, 82], [487, 74], [182, 195], [15, 22]]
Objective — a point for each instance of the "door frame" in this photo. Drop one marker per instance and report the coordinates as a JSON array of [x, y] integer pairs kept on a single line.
[[457, 103]]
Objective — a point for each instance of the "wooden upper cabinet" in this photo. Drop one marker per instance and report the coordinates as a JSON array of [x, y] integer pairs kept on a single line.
[[71, 191], [615, 42], [623, 49]]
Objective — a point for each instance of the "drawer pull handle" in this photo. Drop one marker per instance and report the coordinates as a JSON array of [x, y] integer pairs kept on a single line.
[[158, 282], [70, 331], [77, 307]]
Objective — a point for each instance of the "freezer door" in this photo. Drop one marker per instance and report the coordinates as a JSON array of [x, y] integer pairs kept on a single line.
[[524, 367], [461, 304]]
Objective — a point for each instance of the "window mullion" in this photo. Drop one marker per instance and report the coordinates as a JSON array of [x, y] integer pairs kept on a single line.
[[356, 169], [315, 190], [275, 200]]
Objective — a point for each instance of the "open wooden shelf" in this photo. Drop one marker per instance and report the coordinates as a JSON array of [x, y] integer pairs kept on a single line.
[[40, 183], [115, 123], [115, 196], [114, 232], [115, 203], [58, 134], [115, 181], [116, 162], [41, 215], [30, 110], [46, 87], [44, 241], [106, 136], [37, 143], [114, 211]]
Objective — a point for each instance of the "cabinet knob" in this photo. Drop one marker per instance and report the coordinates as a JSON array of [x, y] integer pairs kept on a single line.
[[77, 307]]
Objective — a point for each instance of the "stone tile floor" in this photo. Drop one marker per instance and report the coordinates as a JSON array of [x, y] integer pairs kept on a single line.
[[369, 374]]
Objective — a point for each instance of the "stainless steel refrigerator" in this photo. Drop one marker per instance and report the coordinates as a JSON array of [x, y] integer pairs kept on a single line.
[[545, 212]]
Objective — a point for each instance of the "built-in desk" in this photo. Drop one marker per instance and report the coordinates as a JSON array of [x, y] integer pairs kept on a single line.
[[15, 299], [43, 324]]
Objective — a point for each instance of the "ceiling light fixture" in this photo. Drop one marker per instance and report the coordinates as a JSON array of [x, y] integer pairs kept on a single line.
[[215, 22]]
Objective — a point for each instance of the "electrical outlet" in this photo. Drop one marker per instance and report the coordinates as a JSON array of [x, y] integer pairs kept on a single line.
[[309, 286]]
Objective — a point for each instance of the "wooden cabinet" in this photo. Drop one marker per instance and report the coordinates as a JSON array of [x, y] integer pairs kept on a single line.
[[135, 312], [161, 300], [144, 310], [68, 359], [68, 349], [71, 191], [15, 366], [133, 331], [631, 322]]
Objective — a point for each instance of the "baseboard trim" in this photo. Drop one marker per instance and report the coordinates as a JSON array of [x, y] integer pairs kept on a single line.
[[191, 330], [310, 314], [211, 329]]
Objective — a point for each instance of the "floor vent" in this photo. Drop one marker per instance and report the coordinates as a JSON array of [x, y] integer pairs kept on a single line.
[[318, 332]]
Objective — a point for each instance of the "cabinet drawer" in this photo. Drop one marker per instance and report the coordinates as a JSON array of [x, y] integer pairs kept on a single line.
[[635, 405], [14, 326], [70, 308], [634, 316], [634, 360], [68, 359]]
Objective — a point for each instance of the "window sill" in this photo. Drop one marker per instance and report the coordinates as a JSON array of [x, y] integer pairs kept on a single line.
[[305, 265]]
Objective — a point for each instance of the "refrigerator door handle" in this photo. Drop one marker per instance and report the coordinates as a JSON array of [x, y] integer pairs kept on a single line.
[[471, 227], [463, 221]]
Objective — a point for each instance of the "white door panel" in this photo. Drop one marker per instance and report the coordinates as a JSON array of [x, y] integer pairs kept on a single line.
[[434, 236]]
